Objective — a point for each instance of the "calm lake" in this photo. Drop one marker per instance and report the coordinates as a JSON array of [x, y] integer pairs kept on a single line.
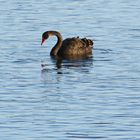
[[89, 99]]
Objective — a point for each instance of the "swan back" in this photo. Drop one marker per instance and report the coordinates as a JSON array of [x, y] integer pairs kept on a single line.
[[76, 46]]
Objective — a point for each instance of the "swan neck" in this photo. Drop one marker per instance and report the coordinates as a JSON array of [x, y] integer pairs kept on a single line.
[[58, 45]]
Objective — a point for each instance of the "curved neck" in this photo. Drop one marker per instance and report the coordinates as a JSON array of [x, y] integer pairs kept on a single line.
[[56, 48]]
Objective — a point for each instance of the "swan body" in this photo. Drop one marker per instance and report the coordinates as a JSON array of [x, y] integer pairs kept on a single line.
[[70, 47]]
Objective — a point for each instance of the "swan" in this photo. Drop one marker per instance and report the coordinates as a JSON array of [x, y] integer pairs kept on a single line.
[[70, 47]]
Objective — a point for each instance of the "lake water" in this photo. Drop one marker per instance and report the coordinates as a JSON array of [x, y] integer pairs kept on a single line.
[[95, 98]]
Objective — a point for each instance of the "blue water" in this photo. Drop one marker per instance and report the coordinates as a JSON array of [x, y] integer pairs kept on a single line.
[[95, 98]]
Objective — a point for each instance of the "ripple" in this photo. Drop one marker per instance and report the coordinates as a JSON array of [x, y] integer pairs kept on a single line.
[[84, 136]]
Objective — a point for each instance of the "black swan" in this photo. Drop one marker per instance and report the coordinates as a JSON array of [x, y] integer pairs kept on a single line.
[[70, 47]]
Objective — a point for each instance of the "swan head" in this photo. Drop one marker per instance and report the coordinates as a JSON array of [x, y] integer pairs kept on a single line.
[[45, 36]]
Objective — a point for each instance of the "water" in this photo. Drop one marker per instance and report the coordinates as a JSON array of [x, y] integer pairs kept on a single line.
[[97, 98]]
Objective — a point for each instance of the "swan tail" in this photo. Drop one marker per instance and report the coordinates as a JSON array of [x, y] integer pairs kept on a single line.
[[88, 42]]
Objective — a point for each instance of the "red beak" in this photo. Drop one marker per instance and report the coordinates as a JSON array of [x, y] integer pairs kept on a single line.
[[43, 39]]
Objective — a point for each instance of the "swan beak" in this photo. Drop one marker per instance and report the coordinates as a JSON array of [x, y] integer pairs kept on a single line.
[[43, 39]]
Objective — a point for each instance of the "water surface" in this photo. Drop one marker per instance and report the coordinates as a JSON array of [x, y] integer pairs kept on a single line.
[[95, 98]]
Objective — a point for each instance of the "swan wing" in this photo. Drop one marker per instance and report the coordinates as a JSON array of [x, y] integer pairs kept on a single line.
[[75, 46]]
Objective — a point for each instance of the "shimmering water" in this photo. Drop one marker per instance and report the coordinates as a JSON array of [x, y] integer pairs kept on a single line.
[[96, 98]]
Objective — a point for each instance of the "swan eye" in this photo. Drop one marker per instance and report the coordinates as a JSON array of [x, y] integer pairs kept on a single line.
[[45, 35]]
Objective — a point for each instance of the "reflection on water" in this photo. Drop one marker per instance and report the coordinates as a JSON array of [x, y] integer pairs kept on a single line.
[[64, 66], [59, 62]]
